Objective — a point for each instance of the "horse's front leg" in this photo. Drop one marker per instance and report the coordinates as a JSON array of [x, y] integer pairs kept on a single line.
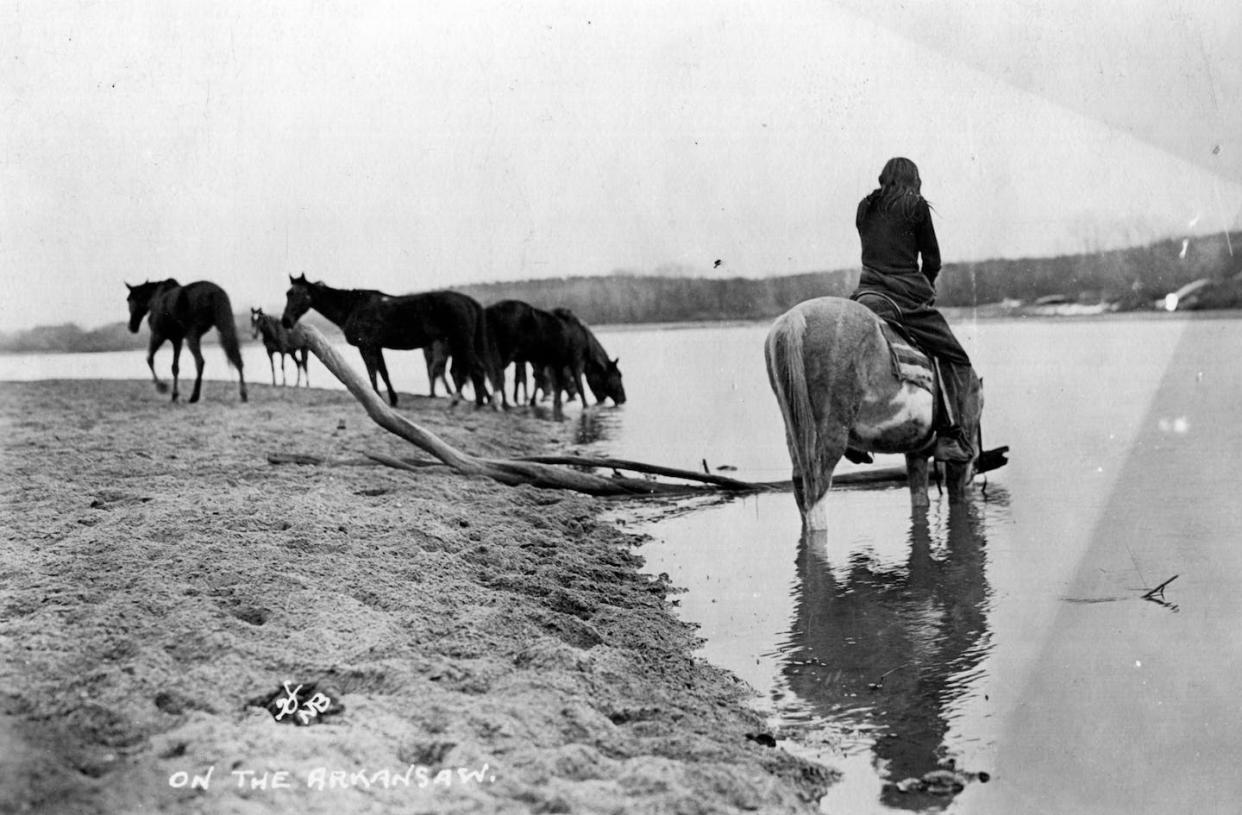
[[582, 397], [193, 342], [176, 369], [271, 361], [917, 469], [284, 378], [154, 346], [958, 477]]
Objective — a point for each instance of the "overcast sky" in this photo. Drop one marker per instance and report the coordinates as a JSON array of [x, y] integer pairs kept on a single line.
[[408, 146]]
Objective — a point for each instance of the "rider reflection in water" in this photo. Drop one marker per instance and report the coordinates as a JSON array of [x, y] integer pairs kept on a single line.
[[895, 225]]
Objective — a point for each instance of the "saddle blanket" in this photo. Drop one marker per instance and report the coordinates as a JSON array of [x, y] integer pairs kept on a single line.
[[909, 363]]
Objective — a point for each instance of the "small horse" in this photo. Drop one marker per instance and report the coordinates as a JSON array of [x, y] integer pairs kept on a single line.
[[279, 340], [184, 313], [843, 385], [603, 375], [373, 321]]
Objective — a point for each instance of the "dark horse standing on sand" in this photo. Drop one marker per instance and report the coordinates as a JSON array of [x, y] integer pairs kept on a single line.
[[279, 340], [847, 386], [184, 313], [373, 321]]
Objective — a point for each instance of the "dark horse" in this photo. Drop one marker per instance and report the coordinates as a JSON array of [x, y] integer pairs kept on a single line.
[[184, 313], [373, 321], [279, 340], [603, 375], [524, 334]]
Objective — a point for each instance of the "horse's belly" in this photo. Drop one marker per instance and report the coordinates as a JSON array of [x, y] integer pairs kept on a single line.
[[894, 425]]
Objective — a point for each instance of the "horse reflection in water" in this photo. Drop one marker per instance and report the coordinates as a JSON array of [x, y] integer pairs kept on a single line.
[[888, 651], [596, 425]]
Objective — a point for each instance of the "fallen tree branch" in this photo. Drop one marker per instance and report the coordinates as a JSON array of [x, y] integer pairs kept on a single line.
[[503, 470], [724, 482], [543, 471]]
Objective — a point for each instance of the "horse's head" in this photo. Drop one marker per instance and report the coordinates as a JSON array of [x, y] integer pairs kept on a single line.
[[139, 301], [605, 382], [298, 300], [256, 320]]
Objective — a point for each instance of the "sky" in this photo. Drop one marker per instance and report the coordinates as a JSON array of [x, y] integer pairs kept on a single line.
[[408, 146]]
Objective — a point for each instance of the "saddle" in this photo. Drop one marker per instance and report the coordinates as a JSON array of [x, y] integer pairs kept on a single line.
[[911, 364]]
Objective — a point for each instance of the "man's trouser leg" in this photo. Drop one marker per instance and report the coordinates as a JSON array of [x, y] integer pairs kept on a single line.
[[952, 442]]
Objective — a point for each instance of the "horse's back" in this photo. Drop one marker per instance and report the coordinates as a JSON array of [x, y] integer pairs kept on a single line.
[[837, 321], [411, 321]]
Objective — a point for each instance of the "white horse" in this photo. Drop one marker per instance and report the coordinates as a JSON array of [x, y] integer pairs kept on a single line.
[[846, 382]]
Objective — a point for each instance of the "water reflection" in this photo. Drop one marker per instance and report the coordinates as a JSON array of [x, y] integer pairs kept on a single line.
[[885, 651], [597, 423]]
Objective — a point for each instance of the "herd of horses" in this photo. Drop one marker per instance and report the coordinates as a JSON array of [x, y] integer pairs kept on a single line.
[[475, 345], [836, 368]]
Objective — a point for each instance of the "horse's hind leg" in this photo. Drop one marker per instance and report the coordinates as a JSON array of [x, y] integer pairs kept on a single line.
[[193, 342], [832, 441], [917, 469], [519, 379], [176, 369], [284, 377]]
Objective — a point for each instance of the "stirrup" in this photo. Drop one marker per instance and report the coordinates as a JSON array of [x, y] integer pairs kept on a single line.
[[858, 456]]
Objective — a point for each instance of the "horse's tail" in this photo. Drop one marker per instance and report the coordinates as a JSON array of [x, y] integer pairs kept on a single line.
[[783, 353], [488, 353], [227, 328]]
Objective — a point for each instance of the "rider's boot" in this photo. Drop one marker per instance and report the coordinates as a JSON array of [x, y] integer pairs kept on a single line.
[[952, 442]]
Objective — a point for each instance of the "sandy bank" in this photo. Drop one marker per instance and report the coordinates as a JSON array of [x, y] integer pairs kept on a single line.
[[160, 575]]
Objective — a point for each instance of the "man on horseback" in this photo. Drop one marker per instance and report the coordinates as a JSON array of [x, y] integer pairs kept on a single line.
[[895, 226]]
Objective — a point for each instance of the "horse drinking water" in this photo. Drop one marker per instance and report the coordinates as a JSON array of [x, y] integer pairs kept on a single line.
[[279, 340], [848, 385], [184, 313], [603, 375]]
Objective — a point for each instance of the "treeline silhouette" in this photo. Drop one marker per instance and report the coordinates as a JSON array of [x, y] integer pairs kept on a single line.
[[1133, 278]]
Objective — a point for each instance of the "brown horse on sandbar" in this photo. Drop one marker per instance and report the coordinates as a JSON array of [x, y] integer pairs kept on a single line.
[[184, 313], [373, 321], [279, 340]]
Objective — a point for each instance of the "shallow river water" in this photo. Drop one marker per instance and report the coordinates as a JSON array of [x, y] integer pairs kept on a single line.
[[1011, 636]]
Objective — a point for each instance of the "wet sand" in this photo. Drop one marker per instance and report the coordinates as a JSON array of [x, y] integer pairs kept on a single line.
[[495, 649]]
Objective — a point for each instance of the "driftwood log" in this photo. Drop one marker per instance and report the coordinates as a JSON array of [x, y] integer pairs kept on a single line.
[[549, 471], [506, 471]]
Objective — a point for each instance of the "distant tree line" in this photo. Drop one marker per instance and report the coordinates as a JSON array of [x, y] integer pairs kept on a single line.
[[1131, 278]]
